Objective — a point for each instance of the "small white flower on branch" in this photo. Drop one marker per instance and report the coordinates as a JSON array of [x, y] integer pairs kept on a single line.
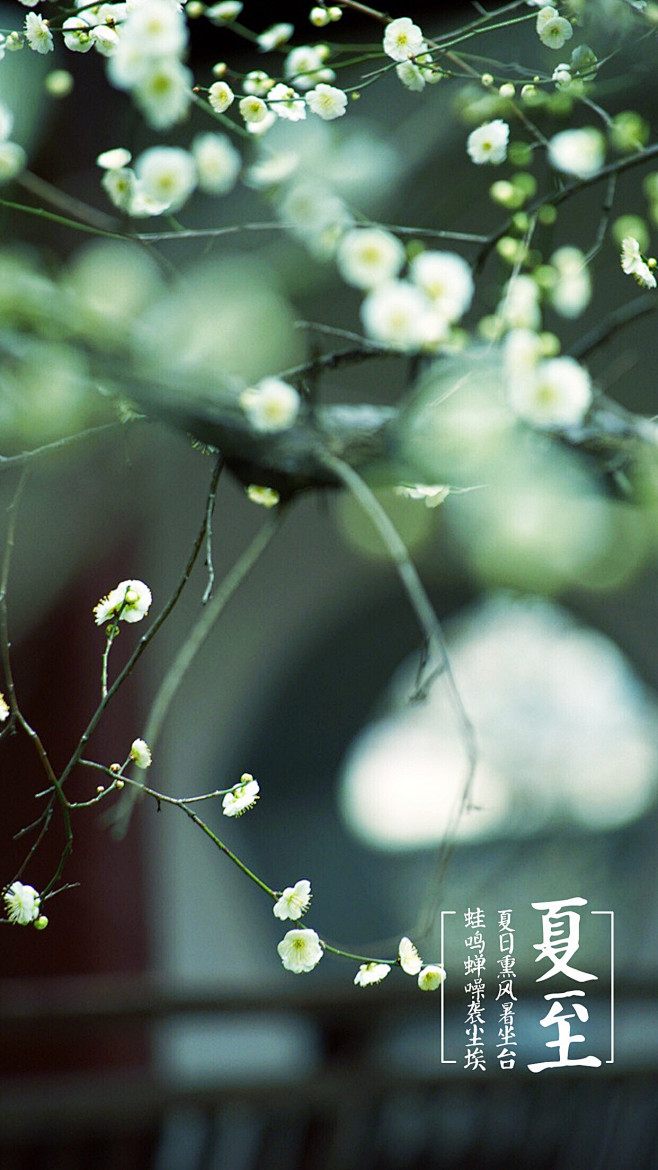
[[218, 163], [400, 315], [272, 405], [114, 159], [37, 33], [220, 96], [242, 796], [327, 102], [225, 12], [22, 904], [286, 103], [77, 34], [488, 144], [370, 973], [431, 977], [446, 279], [403, 39], [253, 109], [410, 960], [129, 602], [257, 83], [140, 753], [553, 30], [168, 174], [300, 951], [634, 263], [4, 708], [367, 257], [294, 901], [274, 37], [558, 393], [304, 67], [577, 152]]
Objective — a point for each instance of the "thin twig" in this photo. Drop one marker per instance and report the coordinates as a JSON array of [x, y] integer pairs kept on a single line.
[[193, 643], [434, 659]]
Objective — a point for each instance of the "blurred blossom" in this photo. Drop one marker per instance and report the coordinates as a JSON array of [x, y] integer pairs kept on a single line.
[[108, 285], [572, 290], [566, 732], [221, 320]]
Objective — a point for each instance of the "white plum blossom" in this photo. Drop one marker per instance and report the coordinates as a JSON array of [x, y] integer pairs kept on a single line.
[[488, 143], [77, 34], [370, 973], [148, 61], [167, 174], [104, 39], [446, 279], [220, 96], [38, 34], [400, 315], [242, 796], [272, 169], [327, 101], [562, 76], [633, 263], [431, 977], [403, 39], [577, 152], [300, 951], [257, 83], [224, 12], [557, 394], [127, 193], [164, 92], [218, 163], [253, 109], [129, 602], [553, 30], [304, 66], [411, 76], [572, 290], [409, 959], [316, 216], [286, 103], [158, 27], [4, 708], [22, 904], [367, 257], [272, 405], [140, 753], [294, 901], [519, 308], [114, 159], [274, 37]]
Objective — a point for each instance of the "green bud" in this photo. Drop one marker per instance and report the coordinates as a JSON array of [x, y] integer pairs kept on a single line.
[[41, 922], [525, 183], [584, 62], [629, 132], [503, 192], [547, 214], [631, 225], [520, 154]]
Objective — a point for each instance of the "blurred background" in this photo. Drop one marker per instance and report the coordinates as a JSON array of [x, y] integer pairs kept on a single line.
[[152, 1025]]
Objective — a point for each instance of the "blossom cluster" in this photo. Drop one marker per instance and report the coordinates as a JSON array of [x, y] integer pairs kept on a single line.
[[414, 312]]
